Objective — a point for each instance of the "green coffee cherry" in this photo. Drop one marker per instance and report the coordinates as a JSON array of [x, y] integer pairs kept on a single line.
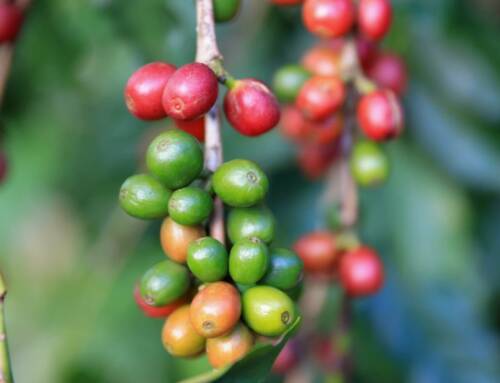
[[248, 222], [175, 158], [240, 183], [288, 81], [164, 283], [243, 288], [207, 259], [143, 196], [190, 206], [369, 164], [285, 269], [248, 261], [225, 10]]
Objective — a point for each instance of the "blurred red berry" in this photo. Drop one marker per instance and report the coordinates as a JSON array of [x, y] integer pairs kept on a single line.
[[293, 125], [329, 18], [287, 359], [194, 127], [361, 272], [326, 131], [321, 96], [11, 21], [323, 60], [153, 311], [389, 71], [318, 251], [314, 160], [367, 51], [374, 18]]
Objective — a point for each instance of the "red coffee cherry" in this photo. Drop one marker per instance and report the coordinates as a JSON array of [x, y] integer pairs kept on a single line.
[[380, 115], [367, 51], [389, 71], [287, 359], [251, 107], [196, 128], [374, 18], [293, 124], [314, 160], [326, 131], [3, 166], [323, 61], [144, 90], [287, 2], [320, 97], [329, 18], [361, 272], [11, 21], [157, 311], [190, 92], [318, 250]]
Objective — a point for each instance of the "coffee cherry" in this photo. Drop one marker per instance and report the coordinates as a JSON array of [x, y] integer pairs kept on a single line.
[[288, 80], [175, 158], [179, 336], [4, 166], [287, 359], [329, 18], [323, 60], [320, 97], [164, 283], [226, 10], [196, 128], [176, 238], [242, 287], [380, 115], [295, 292], [157, 312], [389, 71], [268, 311], [285, 269], [190, 205], [314, 160], [369, 164], [287, 2], [144, 90], [325, 132], [251, 107], [361, 272], [318, 250], [11, 21], [293, 124], [143, 196], [190, 92], [230, 348], [248, 261], [367, 51], [374, 18], [240, 183], [216, 309], [207, 259], [251, 222]]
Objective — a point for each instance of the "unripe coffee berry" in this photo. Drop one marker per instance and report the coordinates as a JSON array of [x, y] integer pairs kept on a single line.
[[230, 348], [288, 80], [190, 205], [176, 238], [329, 18], [154, 311], [380, 115], [144, 90], [318, 251], [389, 71], [196, 127], [226, 10], [361, 272], [179, 336], [175, 158], [285, 269], [248, 261], [251, 107], [369, 164], [143, 196], [251, 222], [374, 18], [190, 92], [207, 259], [164, 283], [320, 97], [323, 60], [11, 21]]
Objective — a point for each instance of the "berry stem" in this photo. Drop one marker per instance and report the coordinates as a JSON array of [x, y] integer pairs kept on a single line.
[[6, 54], [5, 370]]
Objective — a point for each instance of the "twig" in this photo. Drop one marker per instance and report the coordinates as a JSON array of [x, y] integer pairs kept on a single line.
[[5, 370]]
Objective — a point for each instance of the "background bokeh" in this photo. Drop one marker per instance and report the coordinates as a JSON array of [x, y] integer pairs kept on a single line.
[[71, 258]]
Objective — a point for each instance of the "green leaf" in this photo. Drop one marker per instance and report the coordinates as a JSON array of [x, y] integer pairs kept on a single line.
[[253, 368]]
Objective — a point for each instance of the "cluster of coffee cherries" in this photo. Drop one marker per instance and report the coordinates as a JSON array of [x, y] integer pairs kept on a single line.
[[317, 92]]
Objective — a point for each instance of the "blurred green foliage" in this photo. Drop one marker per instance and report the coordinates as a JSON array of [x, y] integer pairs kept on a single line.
[[71, 142]]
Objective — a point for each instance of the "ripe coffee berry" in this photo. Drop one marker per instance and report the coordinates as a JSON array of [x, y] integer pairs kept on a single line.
[[329, 18], [248, 261], [318, 251], [231, 347], [160, 311], [207, 259], [176, 238], [190, 92], [389, 71], [226, 10], [367, 51], [314, 160], [196, 128], [293, 124], [323, 60], [179, 336], [11, 21], [374, 18], [285, 269], [251, 107], [380, 115], [190, 205], [288, 80], [3, 166], [144, 90], [361, 272], [287, 359], [164, 283], [320, 97], [369, 164], [251, 222]]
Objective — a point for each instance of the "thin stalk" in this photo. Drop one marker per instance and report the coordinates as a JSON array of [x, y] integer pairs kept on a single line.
[[5, 370]]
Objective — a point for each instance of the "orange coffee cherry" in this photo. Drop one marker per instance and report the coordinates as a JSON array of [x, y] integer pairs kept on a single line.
[[179, 336], [176, 238], [229, 348]]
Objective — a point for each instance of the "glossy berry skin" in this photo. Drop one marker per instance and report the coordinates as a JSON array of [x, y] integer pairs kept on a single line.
[[207, 259], [318, 251], [251, 108], [228, 349], [216, 309], [369, 164], [380, 115], [287, 2], [176, 238], [320, 97], [226, 10], [389, 71], [190, 205], [251, 222], [329, 18], [4, 166], [163, 283], [374, 18], [240, 183], [175, 158], [196, 128], [160, 311], [323, 60], [361, 272], [144, 90], [143, 196], [248, 261], [288, 80], [268, 311], [179, 336], [190, 92], [11, 21], [287, 359], [285, 269]]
